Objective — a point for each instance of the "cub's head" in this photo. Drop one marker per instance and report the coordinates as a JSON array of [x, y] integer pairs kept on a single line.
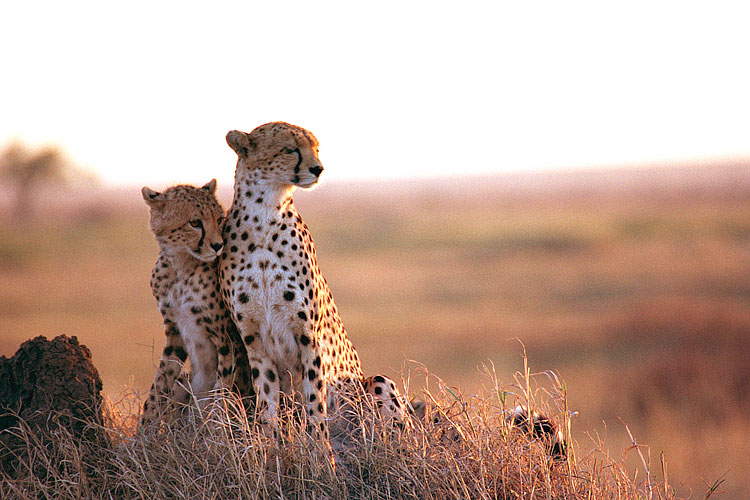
[[279, 153], [186, 219]]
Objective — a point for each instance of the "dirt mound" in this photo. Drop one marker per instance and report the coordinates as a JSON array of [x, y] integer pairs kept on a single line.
[[45, 388]]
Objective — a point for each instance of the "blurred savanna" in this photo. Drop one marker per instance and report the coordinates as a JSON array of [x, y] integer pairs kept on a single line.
[[630, 287]]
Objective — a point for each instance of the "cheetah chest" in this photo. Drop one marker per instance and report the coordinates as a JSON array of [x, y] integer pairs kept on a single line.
[[272, 302], [193, 310]]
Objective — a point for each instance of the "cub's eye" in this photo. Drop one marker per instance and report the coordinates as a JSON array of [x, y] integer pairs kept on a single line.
[[288, 150], [220, 220], [196, 223]]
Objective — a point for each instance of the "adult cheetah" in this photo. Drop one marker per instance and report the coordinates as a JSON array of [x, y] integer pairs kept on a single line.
[[272, 285], [186, 222]]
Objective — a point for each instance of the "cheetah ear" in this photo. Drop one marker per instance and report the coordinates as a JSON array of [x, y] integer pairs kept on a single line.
[[210, 187], [152, 197], [240, 143]]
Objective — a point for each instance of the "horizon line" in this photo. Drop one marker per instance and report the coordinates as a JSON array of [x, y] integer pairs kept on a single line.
[[716, 162]]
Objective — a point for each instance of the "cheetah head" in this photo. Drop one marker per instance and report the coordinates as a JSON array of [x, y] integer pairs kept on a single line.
[[280, 153], [186, 219]]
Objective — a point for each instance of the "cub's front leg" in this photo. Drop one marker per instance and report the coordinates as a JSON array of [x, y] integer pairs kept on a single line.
[[201, 348], [165, 386]]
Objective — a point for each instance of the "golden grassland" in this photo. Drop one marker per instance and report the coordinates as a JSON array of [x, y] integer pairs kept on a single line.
[[470, 449], [635, 293]]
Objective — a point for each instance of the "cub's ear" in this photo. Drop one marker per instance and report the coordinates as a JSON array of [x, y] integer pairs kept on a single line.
[[152, 197], [210, 187], [240, 143]]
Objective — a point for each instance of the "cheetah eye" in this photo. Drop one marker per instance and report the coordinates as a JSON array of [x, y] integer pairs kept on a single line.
[[287, 150], [196, 223], [220, 220]]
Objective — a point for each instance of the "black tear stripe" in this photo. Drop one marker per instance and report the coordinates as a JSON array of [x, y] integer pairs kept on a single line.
[[299, 159], [203, 236]]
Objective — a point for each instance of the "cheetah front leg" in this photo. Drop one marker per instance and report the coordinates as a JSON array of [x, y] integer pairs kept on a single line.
[[315, 392], [241, 381], [225, 363], [263, 375], [203, 360], [165, 385]]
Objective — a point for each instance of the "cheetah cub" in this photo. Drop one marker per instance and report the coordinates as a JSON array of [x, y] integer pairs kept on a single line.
[[270, 280], [186, 222]]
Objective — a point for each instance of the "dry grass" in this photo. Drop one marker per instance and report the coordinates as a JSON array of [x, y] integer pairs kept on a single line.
[[470, 450]]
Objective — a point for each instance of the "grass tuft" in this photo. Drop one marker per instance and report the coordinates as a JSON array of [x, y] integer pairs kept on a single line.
[[465, 447]]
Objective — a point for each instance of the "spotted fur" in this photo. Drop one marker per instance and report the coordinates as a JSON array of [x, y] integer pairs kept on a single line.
[[271, 282], [186, 222], [388, 399]]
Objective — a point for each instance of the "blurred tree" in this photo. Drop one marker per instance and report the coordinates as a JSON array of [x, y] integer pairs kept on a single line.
[[29, 169]]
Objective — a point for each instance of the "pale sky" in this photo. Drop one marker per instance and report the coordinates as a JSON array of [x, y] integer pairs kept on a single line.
[[145, 92]]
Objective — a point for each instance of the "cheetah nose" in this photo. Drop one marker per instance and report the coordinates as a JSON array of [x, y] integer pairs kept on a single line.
[[217, 247], [316, 170]]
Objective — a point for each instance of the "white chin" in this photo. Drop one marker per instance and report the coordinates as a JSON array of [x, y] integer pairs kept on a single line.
[[206, 258], [307, 184]]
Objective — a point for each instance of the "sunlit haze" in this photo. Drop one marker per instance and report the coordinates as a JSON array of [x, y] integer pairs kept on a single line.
[[145, 92]]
